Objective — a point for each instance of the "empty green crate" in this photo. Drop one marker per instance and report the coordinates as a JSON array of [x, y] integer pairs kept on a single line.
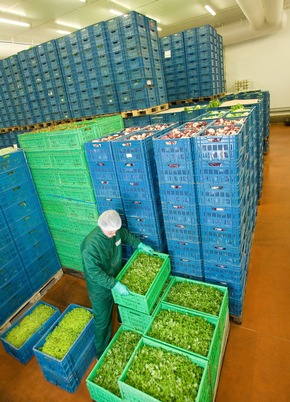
[[80, 226], [70, 208], [77, 177]]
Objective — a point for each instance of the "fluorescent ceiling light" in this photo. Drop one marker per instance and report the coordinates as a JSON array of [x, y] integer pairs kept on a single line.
[[115, 12], [64, 24], [83, 1], [209, 9], [159, 29], [61, 31], [12, 22]]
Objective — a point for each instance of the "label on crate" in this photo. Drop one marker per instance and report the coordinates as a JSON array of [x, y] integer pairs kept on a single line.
[[128, 155], [167, 54]]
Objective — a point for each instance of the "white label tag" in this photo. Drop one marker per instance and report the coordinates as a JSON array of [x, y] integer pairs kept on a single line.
[[167, 54], [118, 243], [128, 155]]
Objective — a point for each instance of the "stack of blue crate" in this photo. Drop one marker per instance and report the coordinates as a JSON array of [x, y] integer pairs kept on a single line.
[[28, 257], [223, 195], [14, 97], [174, 62], [137, 175], [131, 51], [175, 168], [192, 63], [101, 163], [93, 45], [49, 83]]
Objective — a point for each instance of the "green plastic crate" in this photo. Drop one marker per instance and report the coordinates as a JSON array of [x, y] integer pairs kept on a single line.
[[144, 303], [77, 177], [106, 125], [70, 208], [70, 224], [71, 262], [224, 309], [32, 141], [134, 395], [76, 193], [40, 160], [73, 138], [213, 356], [136, 320], [97, 392]]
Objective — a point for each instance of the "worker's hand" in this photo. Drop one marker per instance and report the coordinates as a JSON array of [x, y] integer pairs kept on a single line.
[[147, 249], [121, 289]]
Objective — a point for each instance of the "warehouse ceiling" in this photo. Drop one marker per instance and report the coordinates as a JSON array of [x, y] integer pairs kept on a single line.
[[45, 18]]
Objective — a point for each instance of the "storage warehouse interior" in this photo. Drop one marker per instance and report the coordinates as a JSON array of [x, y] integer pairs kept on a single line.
[[176, 115]]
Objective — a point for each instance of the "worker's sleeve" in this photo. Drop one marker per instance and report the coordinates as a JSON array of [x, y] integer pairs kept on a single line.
[[93, 271], [129, 238]]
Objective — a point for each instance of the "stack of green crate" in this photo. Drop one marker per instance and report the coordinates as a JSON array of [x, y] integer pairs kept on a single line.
[[60, 172]]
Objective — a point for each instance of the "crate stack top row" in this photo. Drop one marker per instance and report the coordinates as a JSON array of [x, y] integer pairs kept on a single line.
[[193, 63], [28, 257], [105, 68]]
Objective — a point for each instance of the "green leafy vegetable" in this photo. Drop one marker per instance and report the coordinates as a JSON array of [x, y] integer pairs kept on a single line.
[[115, 361], [188, 332], [164, 375], [213, 103], [60, 340], [29, 325], [196, 296], [142, 272], [236, 107]]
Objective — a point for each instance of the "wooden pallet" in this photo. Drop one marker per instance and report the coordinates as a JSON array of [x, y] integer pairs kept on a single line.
[[195, 100], [144, 112], [73, 272], [31, 301]]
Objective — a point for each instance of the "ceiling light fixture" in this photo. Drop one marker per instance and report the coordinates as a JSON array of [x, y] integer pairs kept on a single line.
[[61, 31], [209, 9], [159, 29], [115, 12], [83, 1], [12, 22]]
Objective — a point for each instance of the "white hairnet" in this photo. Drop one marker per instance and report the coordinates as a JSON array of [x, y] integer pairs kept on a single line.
[[110, 220]]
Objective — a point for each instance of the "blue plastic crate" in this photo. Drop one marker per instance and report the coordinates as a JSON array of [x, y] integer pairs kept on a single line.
[[15, 301], [44, 275], [8, 253], [182, 232], [186, 266], [218, 148], [176, 173], [22, 208], [184, 249], [14, 177], [227, 273], [106, 203], [225, 196], [225, 255], [5, 237], [179, 213], [72, 381], [37, 249], [146, 225], [157, 242], [26, 240], [235, 290], [41, 262], [225, 237], [142, 209], [15, 194], [139, 190], [103, 171], [67, 364], [100, 150], [25, 352], [178, 193], [131, 171], [220, 173], [106, 188], [26, 223], [10, 270]]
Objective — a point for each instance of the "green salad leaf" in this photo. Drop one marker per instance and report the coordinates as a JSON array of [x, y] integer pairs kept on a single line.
[[165, 375], [63, 336], [192, 333], [29, 325], [142, 272], [115, 361], [196, 296]]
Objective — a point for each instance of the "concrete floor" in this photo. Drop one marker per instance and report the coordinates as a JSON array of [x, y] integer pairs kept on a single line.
[[256, 364]]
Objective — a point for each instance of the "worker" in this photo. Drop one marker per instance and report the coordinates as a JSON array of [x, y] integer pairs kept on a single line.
[[102, 261]]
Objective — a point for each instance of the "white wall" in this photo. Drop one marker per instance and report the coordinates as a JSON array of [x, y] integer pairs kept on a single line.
[[265, 62]]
